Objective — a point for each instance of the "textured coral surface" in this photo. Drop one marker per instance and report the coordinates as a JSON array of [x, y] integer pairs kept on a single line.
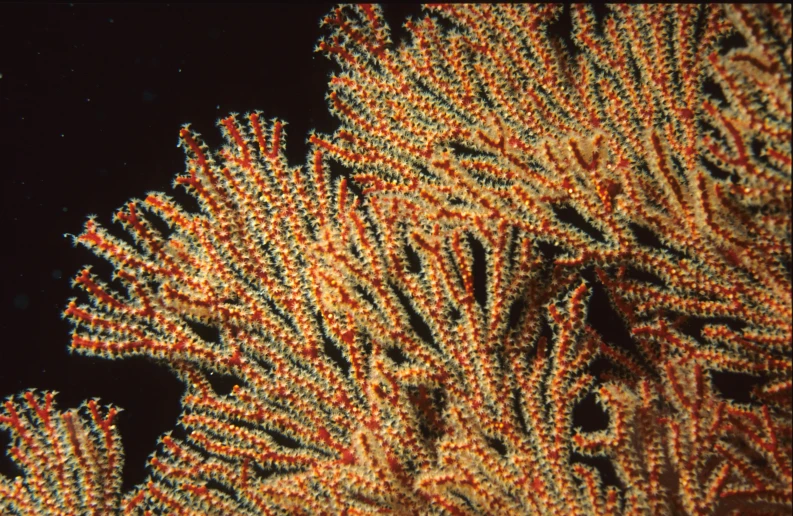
[[507, 235]]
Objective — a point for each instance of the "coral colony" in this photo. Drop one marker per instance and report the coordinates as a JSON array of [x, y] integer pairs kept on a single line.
[[409, 317]]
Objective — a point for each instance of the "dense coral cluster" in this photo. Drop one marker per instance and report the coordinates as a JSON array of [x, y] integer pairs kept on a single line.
[[410, 320]]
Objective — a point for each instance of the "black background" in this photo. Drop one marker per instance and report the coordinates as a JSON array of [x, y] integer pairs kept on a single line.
[[92, 98]]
